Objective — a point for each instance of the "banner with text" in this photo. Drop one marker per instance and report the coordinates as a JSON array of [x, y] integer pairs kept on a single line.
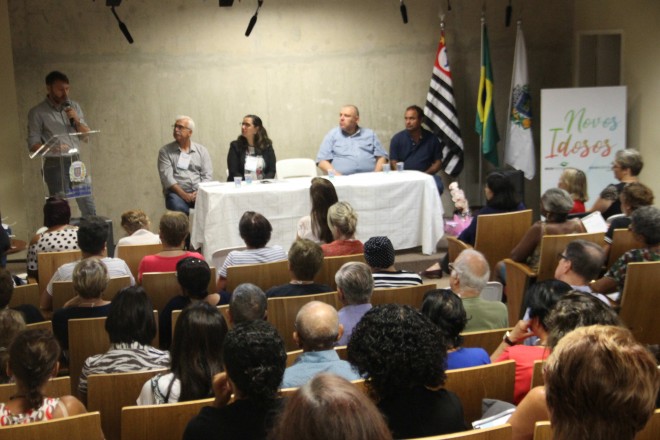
[[582, 128]]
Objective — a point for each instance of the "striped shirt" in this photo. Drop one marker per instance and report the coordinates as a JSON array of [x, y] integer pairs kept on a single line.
[[122, 358], [400, 278], [252, 256]]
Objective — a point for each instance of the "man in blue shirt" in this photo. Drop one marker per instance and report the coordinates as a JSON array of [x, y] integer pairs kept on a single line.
[[418, 148], [349, 148]]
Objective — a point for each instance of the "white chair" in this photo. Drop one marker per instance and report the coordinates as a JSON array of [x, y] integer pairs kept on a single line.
[[287, 168], [492, 291]]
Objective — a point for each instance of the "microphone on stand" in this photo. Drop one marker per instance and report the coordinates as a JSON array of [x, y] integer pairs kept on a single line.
[[253, 21], [66, 106], [404, 12]]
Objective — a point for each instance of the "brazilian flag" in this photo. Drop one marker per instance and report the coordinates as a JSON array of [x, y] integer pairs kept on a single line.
[[485, 124]]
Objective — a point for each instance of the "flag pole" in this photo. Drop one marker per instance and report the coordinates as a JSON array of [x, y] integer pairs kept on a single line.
[[479, 149]]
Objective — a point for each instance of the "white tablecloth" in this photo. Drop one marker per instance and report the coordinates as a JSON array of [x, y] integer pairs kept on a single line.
[[404, 206]]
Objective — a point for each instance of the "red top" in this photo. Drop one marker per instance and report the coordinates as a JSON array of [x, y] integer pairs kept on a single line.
[[342, 247], [157, 263], [524, 355], [578, 207]]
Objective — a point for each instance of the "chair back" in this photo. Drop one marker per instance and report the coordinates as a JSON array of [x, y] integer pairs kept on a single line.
[[56, 387], [455, 247], [553, 245], [287, 168], [501, 432], [409, 295], [264, 275], [43, 325], [543, 431], [63, 291], [537, 374], [109, 393], [492, 291], [282, 313], [330, 267], [157, 422], [49, 262], [87, 337], [358, 383], [489, 340], [623, 240], [640, 307], [25, 294], [80, 427], [652, 429], [498, 234], [473, 384], [133, 254]]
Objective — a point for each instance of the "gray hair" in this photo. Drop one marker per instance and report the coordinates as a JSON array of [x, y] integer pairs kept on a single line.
[[355, 280], [645, 221], [630, 159], [557, 201], [342, 216], [248, 303], [472, 269], [191, 123]]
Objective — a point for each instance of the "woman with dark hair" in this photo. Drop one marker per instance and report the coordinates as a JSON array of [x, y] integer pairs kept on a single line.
[[314, 226], [59, 234], [131, 327], [626, 167], [255, 360], [252, 154], [445, 309], [403, 356], [330, 408], [196, 356], [33, 359]]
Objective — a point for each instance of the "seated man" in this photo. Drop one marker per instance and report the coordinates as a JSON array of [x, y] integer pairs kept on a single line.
[[469, 276], [580, 264], [248, 303], [354, 286], [92, 237], [305, 261], [379, 255], [317, 329]]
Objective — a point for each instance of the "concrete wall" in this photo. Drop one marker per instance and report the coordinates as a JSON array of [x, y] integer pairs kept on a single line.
[[305, 59]]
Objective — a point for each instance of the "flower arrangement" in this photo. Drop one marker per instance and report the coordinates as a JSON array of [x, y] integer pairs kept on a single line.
[[462, 217]]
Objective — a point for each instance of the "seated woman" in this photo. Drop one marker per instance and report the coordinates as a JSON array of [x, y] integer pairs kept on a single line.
[[645, 224], [574, 182], [252, 153], [33, 359], [342, 221], [402, 356], [90, 278], [314, 226], [330, 407], [255, 359], [136, 224], [59, 234], [379, 255], [445, 309], [11, 324], [255, 230], [626, 167], [634, 195], [193, 275], [30, 313], [196, 356], [173, 230], [131, 327], [305, 261]]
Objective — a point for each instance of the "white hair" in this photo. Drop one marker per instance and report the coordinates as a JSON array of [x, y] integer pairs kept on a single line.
[[191, 123]]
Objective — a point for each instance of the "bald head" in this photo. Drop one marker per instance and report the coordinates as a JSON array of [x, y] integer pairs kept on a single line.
[[472, 271], [317, 326]]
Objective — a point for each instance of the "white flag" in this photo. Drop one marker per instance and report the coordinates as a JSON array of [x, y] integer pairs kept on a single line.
[[519, 147]]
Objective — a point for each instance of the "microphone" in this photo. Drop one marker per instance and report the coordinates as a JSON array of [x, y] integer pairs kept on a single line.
[[65, 106], [404, 12], [253, 21]]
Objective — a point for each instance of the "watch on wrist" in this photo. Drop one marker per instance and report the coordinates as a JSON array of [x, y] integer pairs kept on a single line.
[[507, 340]]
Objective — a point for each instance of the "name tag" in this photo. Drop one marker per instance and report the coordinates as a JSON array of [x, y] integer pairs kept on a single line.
[[184, 161]]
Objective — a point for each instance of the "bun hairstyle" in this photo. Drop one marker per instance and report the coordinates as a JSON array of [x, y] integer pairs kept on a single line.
[[342, 217]]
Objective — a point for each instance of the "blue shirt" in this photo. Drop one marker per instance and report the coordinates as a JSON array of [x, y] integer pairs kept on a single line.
[[351, 154], [311, 363], [349, 316], [415, 156], [467, 357]]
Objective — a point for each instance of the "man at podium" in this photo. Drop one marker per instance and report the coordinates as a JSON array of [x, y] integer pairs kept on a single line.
[[58, 115]]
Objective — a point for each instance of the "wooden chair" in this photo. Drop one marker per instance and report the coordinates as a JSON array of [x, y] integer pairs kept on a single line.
[[264, 275], [282, 313], [519, 276], [133, 254], [49, 262], [43, 325], [408, 295], [157, 422], [222, 309], [218, 258], [640, 307], [56, 387], [87, 337], [472, 384], [543, 431], [109, 393], [455, 247], [489, 340], [292, 356], [63, 291], [330, 267], [25, 294], [502, 432], [358, 383], [623, 240], [537, 376], [161, 287], [81, 427]]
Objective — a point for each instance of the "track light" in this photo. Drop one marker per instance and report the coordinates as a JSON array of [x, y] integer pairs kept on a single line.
[[253, 20]]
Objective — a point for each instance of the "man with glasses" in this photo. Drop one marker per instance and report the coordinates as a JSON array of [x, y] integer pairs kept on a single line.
[[182, 165], [580, 264]]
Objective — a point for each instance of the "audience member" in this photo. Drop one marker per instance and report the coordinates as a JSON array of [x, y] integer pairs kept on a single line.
[[330, 408], [445, 309], [92, 237], [252, 154], [469, 275], [379, 255], [248, 303], [315, 225], [59, 234], [11, 324], [173, 230], [634, 195], [195, 357], [305, 261], [33, 359], [402, 355], [574, 182], [30, 313], [580, 264], [254, 358], [600, 384], [627, 165], [131, 327], [354, 287], [136, 224], [317, 330], [342, 220], [255, 230]]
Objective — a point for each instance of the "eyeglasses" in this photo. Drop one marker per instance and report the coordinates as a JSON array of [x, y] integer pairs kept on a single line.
[[180, 127], [615, 165], [562, 256], [245, 124]]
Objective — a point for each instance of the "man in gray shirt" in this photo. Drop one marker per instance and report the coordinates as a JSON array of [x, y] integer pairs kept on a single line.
[[182, 165], [58, 115]]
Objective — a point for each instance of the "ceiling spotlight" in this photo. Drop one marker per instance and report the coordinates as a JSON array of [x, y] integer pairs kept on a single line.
[[253, 20], [404, 12], [226, 3], [122, 26]]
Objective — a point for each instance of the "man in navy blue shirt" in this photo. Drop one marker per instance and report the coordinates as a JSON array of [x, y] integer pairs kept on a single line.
[[418, 148]]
